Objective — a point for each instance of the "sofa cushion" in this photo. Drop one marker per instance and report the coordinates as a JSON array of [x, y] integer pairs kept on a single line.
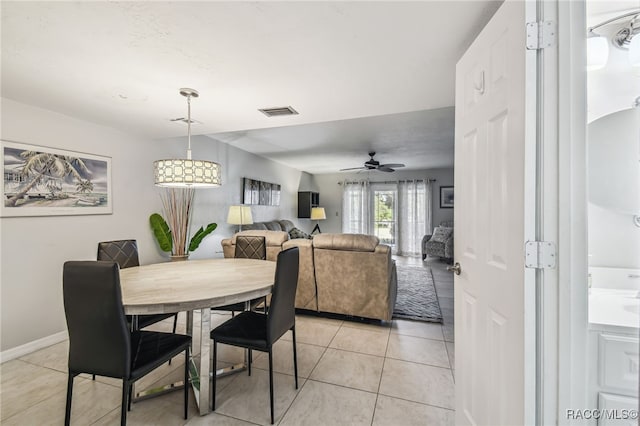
[[271, 238], [436, 248], [441, 234], [257, 226], [274, 225], [286, 225], [347, 242], [297, 233]]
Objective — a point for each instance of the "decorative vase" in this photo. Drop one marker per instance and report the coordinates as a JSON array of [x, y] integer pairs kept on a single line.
[[179, 258]]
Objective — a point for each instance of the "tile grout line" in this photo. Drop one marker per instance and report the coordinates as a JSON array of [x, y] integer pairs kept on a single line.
[[386, 349], [299, 391], [419, 402], [307, 379], [421, 363]]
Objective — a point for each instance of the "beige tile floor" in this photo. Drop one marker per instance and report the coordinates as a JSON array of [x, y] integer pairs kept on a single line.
[[400, 373]]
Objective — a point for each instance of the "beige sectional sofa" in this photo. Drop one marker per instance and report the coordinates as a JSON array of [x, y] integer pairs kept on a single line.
[[349, 274]]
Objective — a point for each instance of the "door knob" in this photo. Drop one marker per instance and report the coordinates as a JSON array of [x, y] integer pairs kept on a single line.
[[455, 268]]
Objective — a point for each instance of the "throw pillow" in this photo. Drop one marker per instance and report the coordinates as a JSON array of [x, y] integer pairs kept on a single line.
[[441, 234], [297, 233]]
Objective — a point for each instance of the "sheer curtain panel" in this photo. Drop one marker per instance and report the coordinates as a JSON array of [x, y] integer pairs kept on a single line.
[[414, 215], [356, 208]]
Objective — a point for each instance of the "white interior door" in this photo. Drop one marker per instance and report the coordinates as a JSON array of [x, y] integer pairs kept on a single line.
[[495, 199]]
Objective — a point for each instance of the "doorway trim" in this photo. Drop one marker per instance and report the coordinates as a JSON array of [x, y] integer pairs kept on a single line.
[[562, 215], [572, 211]]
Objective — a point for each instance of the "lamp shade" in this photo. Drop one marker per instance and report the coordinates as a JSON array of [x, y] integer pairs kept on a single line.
[[186, 172], [239, 215], [597, 52], [317, 213]]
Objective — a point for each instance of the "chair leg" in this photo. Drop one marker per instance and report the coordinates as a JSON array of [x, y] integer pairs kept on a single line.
[[130, 397], [271, 382], [175, 323], [295, 355], [67, 413], [186, 382], [213, 376], [249, 359], [94, 377], [125, 402]]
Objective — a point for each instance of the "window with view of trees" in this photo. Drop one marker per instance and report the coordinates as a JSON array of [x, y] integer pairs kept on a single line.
[[384, 213], [398, 213]]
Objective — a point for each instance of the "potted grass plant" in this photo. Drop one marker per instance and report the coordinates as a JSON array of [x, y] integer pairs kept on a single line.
[[172, 234]]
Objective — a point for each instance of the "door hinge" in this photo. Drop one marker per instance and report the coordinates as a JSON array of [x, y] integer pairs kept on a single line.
[[539, 254], [541, 35]]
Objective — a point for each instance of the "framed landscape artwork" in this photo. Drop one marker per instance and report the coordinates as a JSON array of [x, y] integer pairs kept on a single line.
[[446, 197], [41, 181]]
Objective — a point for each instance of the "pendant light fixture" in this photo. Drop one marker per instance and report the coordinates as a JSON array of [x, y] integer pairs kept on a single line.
[[187, 173]]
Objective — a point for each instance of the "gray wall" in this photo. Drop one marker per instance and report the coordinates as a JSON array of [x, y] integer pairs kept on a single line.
[[331, 193], [33, 249]]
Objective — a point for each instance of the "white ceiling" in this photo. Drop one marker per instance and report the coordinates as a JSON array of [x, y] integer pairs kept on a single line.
[[121, 64]]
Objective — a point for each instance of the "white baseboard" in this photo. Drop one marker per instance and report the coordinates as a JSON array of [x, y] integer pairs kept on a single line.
[[36, 345]]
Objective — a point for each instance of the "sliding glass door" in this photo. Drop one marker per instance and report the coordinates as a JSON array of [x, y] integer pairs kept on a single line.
[[385, 224], [398, 213]]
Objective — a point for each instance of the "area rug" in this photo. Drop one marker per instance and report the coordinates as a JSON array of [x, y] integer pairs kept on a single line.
[[417, 298]]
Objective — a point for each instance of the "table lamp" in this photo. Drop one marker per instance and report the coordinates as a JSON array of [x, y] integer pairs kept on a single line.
[[239, 215], [317, 213]]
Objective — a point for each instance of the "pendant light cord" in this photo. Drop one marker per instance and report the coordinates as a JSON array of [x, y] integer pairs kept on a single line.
[[189, 127]]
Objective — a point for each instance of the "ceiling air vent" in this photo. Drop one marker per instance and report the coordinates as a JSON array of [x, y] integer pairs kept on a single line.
[[275, 112]]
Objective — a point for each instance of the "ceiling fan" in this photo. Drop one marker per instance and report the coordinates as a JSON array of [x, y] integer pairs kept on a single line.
[[372, 164]]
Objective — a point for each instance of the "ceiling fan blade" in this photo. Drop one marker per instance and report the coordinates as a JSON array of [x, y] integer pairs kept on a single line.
[[392, 165], [384, 168], [352, 168]]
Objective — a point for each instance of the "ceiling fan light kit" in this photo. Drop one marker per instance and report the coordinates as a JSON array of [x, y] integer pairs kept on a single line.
[[373, 164]]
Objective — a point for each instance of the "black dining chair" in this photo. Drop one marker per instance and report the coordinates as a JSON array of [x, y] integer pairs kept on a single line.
[[259, 331], [125, 253], [100, 341], [247, 247]]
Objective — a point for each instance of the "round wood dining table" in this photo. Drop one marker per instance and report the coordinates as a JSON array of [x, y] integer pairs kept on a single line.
[[195, 285]]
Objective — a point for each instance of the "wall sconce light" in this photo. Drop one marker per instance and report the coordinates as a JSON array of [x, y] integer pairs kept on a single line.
[[625, 38], [597, 51]]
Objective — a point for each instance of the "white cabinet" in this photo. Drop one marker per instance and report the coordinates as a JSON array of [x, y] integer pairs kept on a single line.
[[616, 405], [614, 382], [618, 359]]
